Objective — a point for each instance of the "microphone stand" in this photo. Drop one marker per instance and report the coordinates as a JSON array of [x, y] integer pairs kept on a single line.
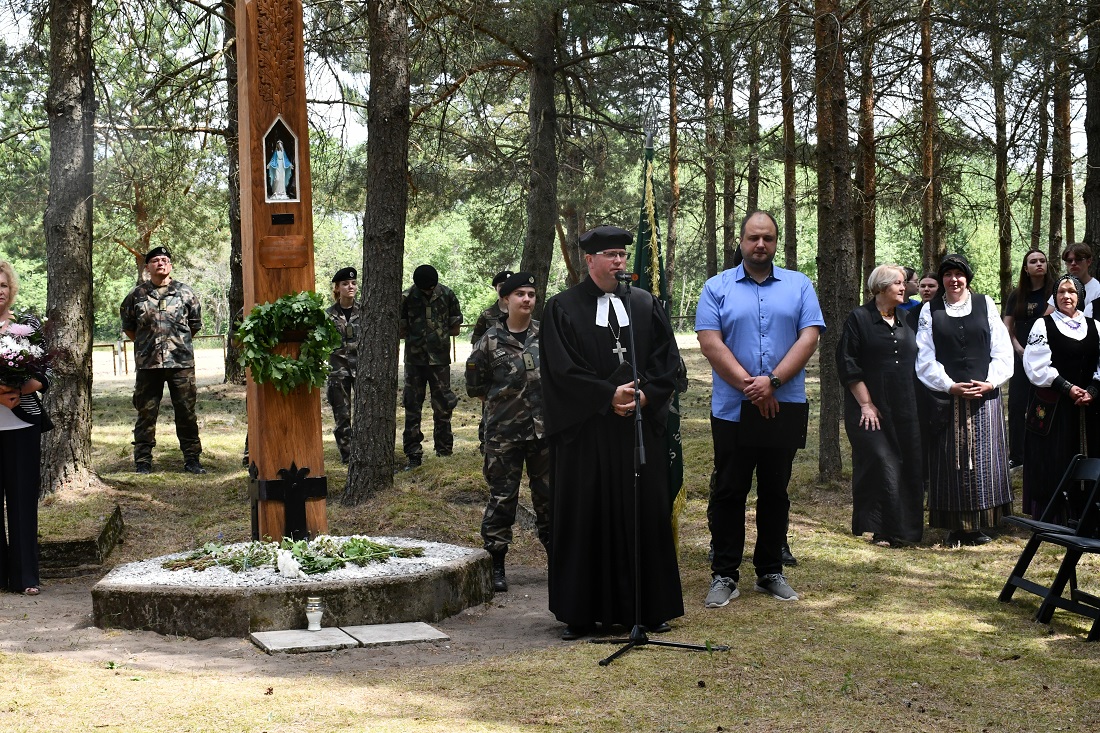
[[638, 636]]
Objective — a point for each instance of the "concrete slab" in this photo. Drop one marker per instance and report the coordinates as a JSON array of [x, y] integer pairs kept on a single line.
[[299, 641], [392, 634]]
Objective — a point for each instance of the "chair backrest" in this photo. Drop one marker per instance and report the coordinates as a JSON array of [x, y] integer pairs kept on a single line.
[[1076, 494]]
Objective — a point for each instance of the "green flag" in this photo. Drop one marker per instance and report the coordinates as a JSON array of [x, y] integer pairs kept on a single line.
[[650, 267]]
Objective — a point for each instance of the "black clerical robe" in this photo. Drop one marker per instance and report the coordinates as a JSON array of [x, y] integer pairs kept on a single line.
[[591, 576]]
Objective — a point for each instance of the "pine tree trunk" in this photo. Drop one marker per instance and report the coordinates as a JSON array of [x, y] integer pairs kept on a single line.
[[672, 231], [1040, 164], [234, 372], [710, 167], [931, 251], [835, 248], [375, 425], [542, 194], [866, 206], [730, 230], [70, 106], [1000, 176], [1092, 131], [790, 191]]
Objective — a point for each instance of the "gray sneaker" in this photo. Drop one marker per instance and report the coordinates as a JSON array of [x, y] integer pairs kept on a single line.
[[776, 585], [722, 591]]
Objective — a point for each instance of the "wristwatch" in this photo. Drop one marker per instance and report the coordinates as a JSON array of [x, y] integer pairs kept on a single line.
[[776, 383]]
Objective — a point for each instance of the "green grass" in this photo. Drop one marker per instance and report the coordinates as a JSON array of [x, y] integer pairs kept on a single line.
[[882, 640]]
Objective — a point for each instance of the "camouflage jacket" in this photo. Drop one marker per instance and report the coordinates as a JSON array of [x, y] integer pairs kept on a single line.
[[162, 324], [426, 323], [343, 359], [506, 373], [489, 317]]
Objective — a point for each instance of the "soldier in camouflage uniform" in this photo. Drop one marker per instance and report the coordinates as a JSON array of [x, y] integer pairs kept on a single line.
[[503, 370], [489, 317], [341, 380], [160, 316], [429, 316]]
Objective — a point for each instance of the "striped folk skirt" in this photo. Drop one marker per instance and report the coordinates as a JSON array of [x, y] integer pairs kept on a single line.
[[968, 485]]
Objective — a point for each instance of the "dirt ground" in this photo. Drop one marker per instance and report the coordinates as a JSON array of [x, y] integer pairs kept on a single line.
[[58, 623]]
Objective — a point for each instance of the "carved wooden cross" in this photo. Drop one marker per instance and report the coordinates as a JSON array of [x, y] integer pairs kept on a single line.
[[277, 246]]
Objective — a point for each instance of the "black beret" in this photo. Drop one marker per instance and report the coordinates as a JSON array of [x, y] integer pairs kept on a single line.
[[157, 252], [956, 262], [501, 277], [425, 277], [345, 273], [519, 280], [605, 237]]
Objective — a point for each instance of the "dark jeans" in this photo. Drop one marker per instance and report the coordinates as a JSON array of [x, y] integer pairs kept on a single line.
[[734, 466], [148, 392], [20, 481]]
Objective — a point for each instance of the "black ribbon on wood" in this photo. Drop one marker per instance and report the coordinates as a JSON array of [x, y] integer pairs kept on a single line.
[[292, 488]]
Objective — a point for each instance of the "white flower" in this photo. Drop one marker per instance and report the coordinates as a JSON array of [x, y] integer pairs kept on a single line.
[[288, 566]]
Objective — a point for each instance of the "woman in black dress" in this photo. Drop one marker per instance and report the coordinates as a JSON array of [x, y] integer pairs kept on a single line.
[[875, 361], [20, 458], [1061, 360]]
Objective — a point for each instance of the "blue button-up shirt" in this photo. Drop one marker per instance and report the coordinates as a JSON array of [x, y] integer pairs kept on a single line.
[[759, 323]]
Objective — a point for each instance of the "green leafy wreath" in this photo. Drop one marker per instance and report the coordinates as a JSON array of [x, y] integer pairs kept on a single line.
[[268, 324]]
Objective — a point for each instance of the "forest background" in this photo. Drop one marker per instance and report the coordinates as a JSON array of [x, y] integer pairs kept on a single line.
[[875, 131]]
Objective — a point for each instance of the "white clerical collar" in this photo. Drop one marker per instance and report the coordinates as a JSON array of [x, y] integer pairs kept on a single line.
[[602, 304]]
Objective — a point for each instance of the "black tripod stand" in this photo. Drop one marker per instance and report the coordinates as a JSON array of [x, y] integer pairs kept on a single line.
[[638, 637]]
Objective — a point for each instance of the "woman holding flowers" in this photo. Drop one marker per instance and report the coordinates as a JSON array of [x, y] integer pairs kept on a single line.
[[22, 376]]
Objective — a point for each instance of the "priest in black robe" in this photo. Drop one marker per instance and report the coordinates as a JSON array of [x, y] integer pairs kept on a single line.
[[589, 404]]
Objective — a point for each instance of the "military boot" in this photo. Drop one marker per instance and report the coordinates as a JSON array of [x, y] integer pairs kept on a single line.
[[500, 582]]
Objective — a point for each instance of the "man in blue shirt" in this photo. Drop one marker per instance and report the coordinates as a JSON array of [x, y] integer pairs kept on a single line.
[[758, 325]]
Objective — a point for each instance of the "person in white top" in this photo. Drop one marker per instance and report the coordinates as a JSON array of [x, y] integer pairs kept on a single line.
[[963, 356], [1062, 361]]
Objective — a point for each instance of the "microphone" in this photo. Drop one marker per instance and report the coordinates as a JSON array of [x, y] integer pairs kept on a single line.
[[626, 277]]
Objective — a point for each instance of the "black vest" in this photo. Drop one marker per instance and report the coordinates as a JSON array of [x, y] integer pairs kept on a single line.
[[1075, 361], [962, 344]]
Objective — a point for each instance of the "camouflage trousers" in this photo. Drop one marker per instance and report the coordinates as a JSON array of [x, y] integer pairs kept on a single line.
[[420, 379], [339, 393], [503, 472], [148, 392]]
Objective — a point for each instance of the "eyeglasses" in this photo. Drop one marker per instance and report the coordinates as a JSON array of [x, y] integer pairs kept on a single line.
[[624, 256], [1075, 260]]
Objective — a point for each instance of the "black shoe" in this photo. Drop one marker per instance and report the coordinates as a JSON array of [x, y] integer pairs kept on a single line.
[[661, 628], [192, 465], [788, 558], [244, 460], [1013, 463], [414, 462], [443, 453], [143, 467], [572, 632]]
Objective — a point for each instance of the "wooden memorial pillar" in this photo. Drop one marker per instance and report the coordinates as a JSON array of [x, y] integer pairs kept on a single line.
[[287, 475]]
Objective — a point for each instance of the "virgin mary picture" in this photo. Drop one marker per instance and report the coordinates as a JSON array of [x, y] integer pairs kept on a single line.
[[280, 175]]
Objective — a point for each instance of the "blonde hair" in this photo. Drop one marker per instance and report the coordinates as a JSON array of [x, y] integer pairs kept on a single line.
[[883, 276], [13, 280]]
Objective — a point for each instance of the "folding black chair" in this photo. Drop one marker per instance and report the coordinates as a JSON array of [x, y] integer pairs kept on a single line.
[[1085, 541], [1080, 481]]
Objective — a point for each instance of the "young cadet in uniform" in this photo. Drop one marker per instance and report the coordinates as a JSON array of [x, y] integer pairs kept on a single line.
[[341, 380], [503, 370], [160, 316], [489, 317]]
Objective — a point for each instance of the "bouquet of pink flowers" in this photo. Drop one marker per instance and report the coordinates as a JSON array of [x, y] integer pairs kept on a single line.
[[22, 354]]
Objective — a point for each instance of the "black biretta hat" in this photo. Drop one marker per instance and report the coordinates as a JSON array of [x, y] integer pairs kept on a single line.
[[514, 282], [605, 237], [157, 252], [344, 273], [501, 277]]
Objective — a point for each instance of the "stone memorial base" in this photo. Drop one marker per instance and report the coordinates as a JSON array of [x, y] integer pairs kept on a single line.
[[217, 602]]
